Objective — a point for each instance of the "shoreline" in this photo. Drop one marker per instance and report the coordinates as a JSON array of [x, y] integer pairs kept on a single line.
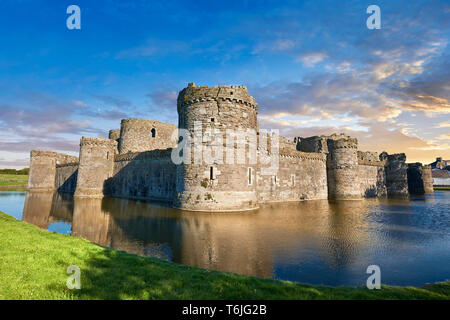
[[35, 262]]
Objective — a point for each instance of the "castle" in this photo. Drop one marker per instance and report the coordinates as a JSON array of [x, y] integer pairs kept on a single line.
[[136, 162]]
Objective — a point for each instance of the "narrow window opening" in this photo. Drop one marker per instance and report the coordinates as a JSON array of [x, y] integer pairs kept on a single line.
[[107, 154], [211, 173], [250, 178], [212, 119], [293, 180], [153, 133]]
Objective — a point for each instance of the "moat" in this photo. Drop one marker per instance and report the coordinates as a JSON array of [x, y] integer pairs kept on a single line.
[[317, 242]]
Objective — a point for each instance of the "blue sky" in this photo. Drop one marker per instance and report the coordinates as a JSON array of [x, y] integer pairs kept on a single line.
[[313, 67]]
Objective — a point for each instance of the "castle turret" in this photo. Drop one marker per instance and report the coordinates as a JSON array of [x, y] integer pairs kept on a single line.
[[96, 166], [138, 135], [115, 135], [221, 184], [396, 174], [342, 163]]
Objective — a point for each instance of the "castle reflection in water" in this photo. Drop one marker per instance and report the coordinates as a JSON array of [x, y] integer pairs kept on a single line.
[[315, 241]]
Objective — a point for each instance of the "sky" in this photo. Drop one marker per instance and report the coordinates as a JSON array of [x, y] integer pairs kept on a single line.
[[313, 67]]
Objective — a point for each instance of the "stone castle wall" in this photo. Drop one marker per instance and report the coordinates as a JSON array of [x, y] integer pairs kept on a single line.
[[143, 175], [66, 177], [420, 180], [396, 174], [96, 166], [115, 135], [43, 169], [301, 176], [371, 175], [135, 162], [341, 163], [139, 135]]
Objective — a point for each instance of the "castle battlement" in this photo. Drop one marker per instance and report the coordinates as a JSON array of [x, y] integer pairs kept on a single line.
[[97, 142], [236, 94]]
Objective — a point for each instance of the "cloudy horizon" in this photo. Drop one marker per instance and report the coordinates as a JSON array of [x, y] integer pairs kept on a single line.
[[313, 67]]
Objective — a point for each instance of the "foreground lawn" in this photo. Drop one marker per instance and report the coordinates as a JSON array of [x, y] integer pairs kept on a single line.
[[13, 179], [34, 261]]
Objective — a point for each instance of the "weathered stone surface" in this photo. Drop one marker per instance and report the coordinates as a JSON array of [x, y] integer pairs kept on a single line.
[[420, 180], [96, 165], [66, 177], [135, 162], [396, 175], [145, 175], [43, 169], [219, 109], [372, 180], [138, 135]]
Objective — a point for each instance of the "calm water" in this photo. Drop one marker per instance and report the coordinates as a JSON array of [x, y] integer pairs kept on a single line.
[[317, 242]]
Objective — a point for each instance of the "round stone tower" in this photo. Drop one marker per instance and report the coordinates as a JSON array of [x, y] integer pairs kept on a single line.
[[215, 180], [342, 165]]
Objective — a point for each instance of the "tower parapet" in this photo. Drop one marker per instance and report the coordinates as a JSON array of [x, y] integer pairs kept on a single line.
[[96, 166]]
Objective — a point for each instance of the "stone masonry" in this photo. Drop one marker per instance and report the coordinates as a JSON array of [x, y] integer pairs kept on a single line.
[[135, 162]]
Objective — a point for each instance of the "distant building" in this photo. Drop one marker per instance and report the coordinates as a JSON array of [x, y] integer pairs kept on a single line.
[[440, 164], [441, 178]]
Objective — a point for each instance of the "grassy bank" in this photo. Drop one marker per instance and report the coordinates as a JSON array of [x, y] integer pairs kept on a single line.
[[34, 262], [13, 179], [13, 182], [442, 188]]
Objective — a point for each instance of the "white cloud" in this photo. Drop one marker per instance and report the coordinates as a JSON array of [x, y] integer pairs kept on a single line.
[[311, 59]]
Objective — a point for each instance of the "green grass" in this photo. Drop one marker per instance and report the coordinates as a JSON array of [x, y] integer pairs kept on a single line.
[[34, 261], [13, 179], [441, 188]]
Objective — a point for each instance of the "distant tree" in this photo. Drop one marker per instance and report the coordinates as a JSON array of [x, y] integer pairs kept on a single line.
[[25, 171]]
